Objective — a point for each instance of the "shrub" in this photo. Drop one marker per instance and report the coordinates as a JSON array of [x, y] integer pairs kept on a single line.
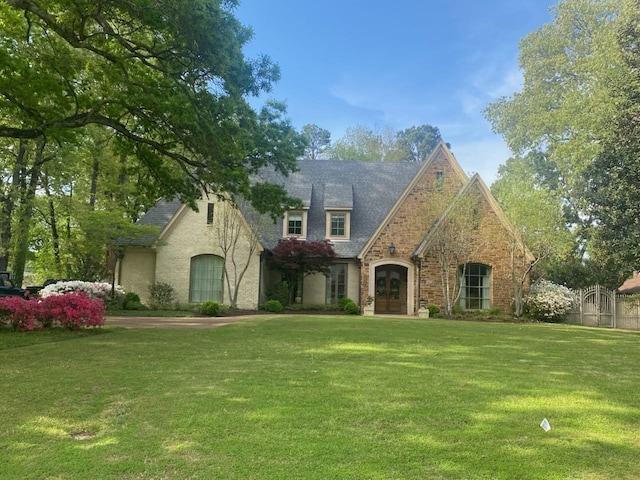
[[548, 301], [433, 309], [210, 308], [162, 294], [273, 306], [344, 301], [72, 310], [21, 314], [131, 301], [279, 291], [351, 308], [97, 290]]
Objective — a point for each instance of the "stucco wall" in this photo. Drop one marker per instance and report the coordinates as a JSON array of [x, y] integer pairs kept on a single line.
[[136, 271], [315, 286], [189, 235]]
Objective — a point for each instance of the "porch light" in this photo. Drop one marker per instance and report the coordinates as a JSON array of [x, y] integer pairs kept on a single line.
[[392, 248]]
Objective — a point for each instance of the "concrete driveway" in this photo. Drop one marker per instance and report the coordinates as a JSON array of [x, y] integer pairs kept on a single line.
[[171, 322]]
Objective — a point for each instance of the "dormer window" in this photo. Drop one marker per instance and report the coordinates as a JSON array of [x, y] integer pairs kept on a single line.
[[295, 224], [338, 225]]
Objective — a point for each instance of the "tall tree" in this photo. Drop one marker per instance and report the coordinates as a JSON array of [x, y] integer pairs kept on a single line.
[[536, 214], [418, 142], [318, 141], [452, 242], [611, 181], [566, 107], [570, 107], [364, 144], [168, 79]]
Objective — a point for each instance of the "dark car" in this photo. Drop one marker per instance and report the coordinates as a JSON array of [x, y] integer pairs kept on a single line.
[[8, 289]]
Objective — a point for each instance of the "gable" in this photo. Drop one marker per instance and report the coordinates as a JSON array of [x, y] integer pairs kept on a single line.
[[439, 177], [489, 211]]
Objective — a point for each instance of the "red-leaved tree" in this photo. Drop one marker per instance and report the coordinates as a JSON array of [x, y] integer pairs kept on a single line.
[[297, 259]]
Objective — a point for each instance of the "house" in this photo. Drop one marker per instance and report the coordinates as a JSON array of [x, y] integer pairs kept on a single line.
[[391, 225], [631, 285]]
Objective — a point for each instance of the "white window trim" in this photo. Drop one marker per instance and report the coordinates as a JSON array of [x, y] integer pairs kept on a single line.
[[285, 224], [347, 224]]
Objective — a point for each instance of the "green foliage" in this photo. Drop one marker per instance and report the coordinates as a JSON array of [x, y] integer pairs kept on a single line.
[[343, 301], [488, 397], [351, 308], [96, 141], [417, 143], [318, 141], [210, 308], [131, 301], [273, 306], [162, 294], [433, 309], [278, 291], [578, 109]]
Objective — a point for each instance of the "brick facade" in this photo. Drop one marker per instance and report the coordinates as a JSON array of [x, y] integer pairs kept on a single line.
[[426, 199]]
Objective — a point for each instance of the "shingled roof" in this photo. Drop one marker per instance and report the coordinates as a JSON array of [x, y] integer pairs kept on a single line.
[[158, 216], [368, 189]]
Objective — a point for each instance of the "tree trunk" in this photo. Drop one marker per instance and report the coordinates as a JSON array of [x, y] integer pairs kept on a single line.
[[95, 171], [7, 206], [55, 236], [25, 212]]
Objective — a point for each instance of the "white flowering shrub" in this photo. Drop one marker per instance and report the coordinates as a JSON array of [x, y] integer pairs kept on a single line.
[[96, 290], [548, 301]]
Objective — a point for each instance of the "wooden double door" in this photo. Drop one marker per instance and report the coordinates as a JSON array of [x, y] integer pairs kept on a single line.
[[391, 289]]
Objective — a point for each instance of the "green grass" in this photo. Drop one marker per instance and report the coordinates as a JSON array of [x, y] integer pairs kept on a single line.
[[328, 397]]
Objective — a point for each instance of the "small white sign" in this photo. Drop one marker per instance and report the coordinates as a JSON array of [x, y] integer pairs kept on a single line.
[[545, 425]]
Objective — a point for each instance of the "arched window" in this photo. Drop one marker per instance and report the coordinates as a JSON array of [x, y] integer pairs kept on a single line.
[[475, 286], [205, 282]]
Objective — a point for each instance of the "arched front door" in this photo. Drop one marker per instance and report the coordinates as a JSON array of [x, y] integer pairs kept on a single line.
[[391, 289]]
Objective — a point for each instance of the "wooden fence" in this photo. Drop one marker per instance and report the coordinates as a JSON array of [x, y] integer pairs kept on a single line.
[[600, 307]]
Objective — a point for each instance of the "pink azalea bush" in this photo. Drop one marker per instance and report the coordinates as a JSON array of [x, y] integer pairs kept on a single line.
[[73, 311]]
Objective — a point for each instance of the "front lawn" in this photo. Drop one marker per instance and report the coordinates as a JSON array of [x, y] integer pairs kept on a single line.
[[323, 397]]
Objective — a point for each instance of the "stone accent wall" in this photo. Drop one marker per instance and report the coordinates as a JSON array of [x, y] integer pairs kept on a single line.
[[414, 218]]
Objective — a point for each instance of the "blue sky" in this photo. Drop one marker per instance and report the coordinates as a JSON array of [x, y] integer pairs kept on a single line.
[[402, 63]]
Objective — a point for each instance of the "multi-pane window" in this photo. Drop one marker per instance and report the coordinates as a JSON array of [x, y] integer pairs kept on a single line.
[[336, 283], [205, 279], [338, 223], [294, 223], [475, 286]]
